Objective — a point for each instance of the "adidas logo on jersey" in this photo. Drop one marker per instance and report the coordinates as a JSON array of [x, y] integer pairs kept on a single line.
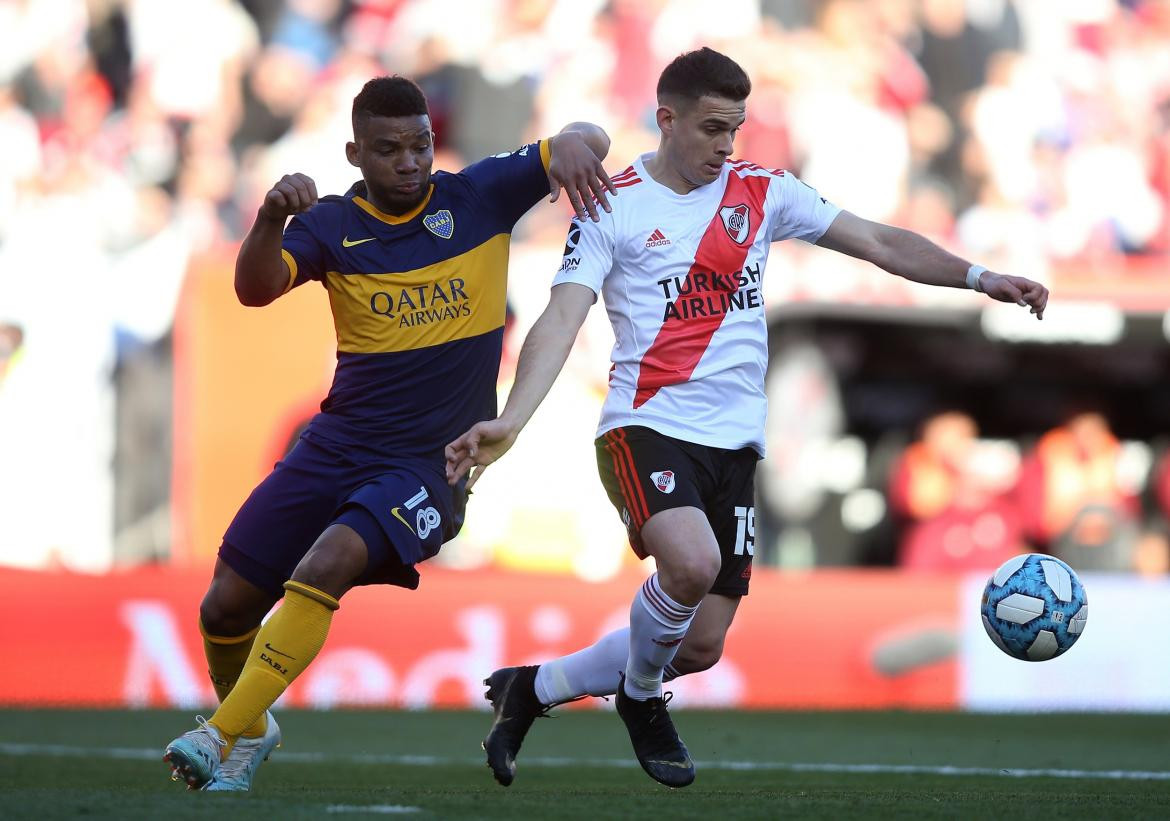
[[656, 239]]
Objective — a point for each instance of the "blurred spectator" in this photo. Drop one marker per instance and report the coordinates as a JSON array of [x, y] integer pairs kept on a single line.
[[1028, 135], [11, 337], [1073, 498], [1152, 552], [1161, 485], [954, 51], [1021, 112], [950, 499]]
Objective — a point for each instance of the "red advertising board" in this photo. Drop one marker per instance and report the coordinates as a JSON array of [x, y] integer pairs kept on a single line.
[[830, 639]]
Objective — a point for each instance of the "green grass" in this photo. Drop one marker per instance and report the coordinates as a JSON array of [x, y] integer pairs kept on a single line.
[[359, 759]]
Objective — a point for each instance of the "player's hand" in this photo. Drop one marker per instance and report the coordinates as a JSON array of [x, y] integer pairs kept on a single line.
[[479, 447], [1022, 291], [292, 195], [575, 168]]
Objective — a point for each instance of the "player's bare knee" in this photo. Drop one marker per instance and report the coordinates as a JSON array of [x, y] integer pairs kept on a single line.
[[220, 615], [688, 578]]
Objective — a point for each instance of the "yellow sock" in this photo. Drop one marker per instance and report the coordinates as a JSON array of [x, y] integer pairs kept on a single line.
[[225, 659], [281, 651]]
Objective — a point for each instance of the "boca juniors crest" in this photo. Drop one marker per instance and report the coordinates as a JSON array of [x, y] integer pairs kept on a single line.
[[440, 223], [737, 221]]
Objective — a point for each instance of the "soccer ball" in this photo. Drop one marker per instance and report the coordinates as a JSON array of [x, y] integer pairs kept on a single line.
[[1034, 607]]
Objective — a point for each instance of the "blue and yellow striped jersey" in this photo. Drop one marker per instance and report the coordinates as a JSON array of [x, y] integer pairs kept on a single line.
[[418, 302]]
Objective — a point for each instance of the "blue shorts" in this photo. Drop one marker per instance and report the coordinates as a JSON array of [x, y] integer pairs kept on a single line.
[[403, 509]]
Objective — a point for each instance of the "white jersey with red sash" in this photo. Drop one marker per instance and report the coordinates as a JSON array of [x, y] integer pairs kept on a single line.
[[682, 280]]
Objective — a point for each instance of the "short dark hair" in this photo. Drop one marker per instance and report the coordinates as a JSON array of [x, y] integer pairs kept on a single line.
[[704, 72], [394, 96]]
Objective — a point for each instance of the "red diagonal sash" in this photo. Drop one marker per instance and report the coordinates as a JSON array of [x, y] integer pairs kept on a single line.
[[682, 340]]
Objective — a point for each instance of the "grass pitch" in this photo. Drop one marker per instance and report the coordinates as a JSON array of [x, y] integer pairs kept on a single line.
[[66, 764]]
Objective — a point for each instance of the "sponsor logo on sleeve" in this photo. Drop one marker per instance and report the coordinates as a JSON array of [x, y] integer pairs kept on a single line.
[[519, 152], [571, 261], [573, 238]]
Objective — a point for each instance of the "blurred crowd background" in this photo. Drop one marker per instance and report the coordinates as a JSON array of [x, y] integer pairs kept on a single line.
[[909, 428]]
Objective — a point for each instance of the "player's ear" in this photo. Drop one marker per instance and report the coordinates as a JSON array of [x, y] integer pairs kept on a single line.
[[666, 118], [351, 154]]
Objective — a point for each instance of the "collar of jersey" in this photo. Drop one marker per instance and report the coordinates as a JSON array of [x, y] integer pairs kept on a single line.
[[390, 219], [690, 196]]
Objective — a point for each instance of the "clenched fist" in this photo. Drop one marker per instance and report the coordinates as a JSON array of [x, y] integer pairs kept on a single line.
[[292, 195]]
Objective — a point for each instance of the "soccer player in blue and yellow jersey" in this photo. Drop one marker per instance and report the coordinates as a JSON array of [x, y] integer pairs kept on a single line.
[[415, 265]]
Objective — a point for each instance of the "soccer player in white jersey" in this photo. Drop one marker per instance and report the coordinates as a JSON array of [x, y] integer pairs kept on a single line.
[[679, 263]]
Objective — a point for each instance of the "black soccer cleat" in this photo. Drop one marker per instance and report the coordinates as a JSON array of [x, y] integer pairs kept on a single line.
[[660, 751], [512, 692]]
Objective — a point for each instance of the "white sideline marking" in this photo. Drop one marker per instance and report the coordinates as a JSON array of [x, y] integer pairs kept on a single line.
[[148, 754], [379, 809]]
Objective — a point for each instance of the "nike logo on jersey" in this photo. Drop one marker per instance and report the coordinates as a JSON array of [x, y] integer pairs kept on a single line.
[[348, 243], [394, 512], [656, 239]]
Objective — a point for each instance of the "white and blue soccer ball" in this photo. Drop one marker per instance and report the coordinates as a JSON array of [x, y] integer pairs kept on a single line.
[[1034, 607]]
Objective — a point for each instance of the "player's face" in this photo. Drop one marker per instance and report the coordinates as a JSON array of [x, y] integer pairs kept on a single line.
[[395, 155], [700, 135]]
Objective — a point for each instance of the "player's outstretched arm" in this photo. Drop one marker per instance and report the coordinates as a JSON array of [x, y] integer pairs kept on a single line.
[[545, 350], [916, 258], [261, 272], [575, 165]]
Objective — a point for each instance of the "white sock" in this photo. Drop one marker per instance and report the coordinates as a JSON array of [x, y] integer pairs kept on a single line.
[[594, 671], [657, 626]]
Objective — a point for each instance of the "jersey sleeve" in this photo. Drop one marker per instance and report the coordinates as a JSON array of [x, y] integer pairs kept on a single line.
[[588, 257], [303, 252], [511, 183], [798, 210]]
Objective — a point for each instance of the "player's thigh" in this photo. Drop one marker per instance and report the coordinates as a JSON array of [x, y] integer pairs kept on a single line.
[[382, 530], [652, 481], [233, 605], [286, 513], [335, 561], [702, 646], [683, 545]]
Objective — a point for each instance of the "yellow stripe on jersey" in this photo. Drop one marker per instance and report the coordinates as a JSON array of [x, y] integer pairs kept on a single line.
[[291, 262], [391, 219], [545, 153], [457, 298]]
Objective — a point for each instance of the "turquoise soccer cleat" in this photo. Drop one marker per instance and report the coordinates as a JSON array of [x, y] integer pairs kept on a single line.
[[195, 756], [236, 772]]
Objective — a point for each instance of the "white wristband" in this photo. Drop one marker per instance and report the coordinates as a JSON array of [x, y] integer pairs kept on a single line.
[[973, 274]]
